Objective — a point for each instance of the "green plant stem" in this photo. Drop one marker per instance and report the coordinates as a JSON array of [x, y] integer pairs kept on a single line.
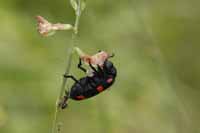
[[69, 62]]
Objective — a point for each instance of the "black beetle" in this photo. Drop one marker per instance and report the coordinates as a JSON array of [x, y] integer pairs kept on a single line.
[[89, 86]]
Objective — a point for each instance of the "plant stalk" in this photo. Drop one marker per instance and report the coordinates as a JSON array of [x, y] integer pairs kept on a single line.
[[56, 127]]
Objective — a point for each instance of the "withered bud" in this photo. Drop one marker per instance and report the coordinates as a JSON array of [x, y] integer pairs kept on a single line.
[[96, 59], [46, 28]]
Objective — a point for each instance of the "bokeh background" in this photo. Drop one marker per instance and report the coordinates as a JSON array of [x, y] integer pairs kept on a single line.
[[156, 44]]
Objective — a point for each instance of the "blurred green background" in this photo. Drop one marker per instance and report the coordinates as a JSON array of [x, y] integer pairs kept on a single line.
[[156, 44]]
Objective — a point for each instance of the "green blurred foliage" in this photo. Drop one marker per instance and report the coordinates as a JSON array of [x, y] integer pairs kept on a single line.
[[157, 56]]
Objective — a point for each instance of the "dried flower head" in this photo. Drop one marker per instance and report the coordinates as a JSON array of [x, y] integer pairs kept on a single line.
[[45, 28], [97, 59]]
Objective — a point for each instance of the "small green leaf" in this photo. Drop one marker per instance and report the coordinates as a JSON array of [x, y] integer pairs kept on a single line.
[[74, 4]]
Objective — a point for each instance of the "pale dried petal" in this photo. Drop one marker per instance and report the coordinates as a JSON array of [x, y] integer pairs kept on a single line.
[[46, 28], [97, 59]]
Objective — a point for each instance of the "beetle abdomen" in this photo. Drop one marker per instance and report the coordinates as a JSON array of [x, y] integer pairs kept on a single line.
[[86, 88]]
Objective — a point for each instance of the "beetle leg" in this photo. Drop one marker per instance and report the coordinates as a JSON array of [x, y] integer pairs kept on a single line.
[[71, 77], [80, 66], [101, 73], [64, 101], [64, 106], [94, 69]]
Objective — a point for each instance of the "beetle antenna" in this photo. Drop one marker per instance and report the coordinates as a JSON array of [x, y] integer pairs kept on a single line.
[[112, 55]]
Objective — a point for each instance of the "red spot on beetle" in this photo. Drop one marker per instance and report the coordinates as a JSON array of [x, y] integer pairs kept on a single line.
[[81, 97], [100, 88], [109, 80]]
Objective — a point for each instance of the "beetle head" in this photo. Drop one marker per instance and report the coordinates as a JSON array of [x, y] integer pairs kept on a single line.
[[109, 68], [108, 65]]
